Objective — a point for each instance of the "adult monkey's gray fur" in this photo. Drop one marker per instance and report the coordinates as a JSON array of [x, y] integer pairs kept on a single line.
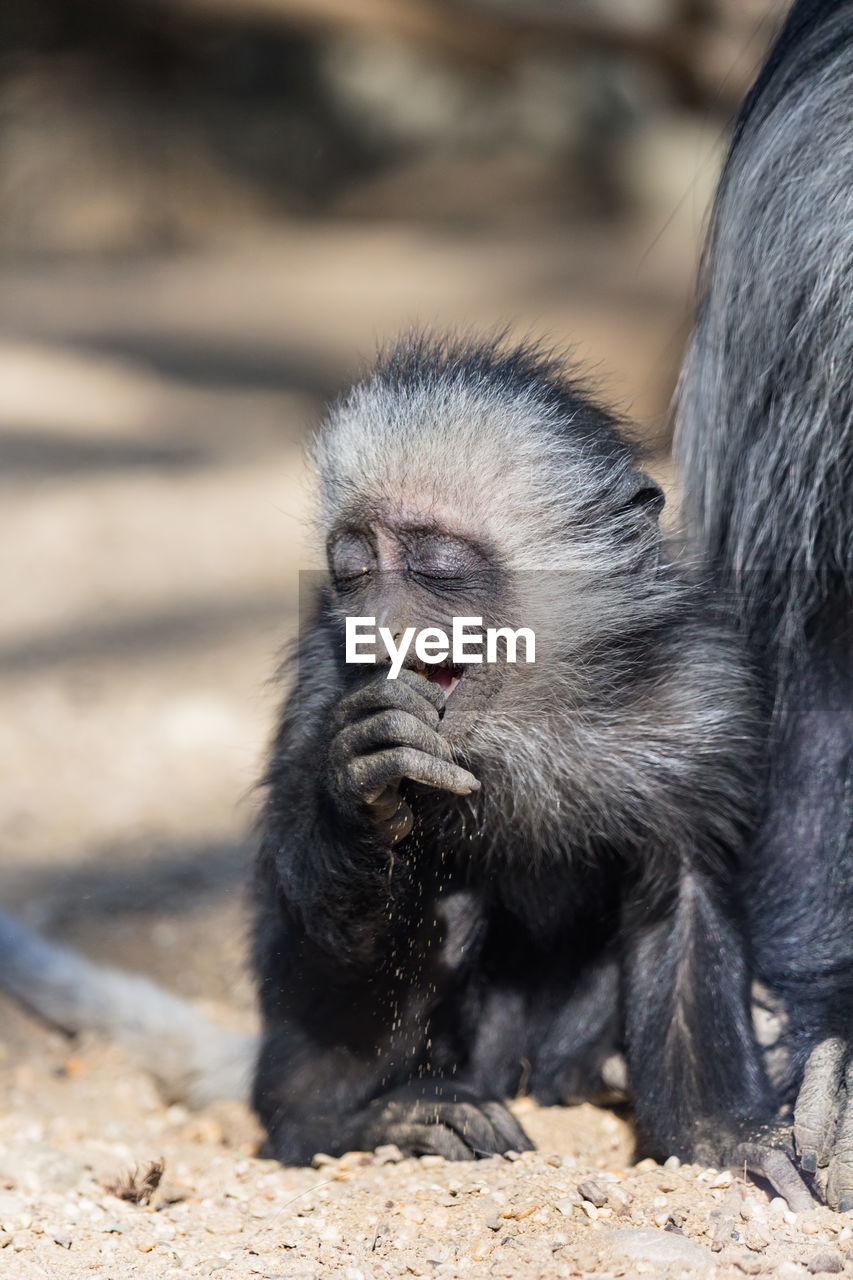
[[766, 444]]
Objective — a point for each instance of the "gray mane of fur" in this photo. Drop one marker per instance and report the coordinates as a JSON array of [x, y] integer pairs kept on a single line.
[[765, 405], [636, 695]]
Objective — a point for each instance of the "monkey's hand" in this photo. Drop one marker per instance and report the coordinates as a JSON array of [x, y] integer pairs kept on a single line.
[[823, 1122], [435, 1117], [383, 732]]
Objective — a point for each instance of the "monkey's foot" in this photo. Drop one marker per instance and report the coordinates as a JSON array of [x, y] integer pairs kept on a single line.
[[823, 1122], [763, 1159], [766, 1150], [434, 1117]]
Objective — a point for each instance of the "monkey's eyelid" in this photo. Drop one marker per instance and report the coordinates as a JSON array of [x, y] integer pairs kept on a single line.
[[451, 581], [343, 581]]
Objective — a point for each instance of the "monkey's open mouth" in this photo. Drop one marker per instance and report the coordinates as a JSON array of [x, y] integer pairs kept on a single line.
[[441, 674]]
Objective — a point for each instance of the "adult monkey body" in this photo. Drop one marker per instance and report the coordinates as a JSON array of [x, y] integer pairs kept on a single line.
[[766, 436], [446, 877]]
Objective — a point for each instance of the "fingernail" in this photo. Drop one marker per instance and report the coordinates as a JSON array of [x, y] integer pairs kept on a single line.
[[845, 1204], [808, 1160]]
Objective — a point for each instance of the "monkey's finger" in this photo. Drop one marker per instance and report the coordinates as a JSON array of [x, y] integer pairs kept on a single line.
[[427, 1140], [412, 695], [430, 690], [467, 1120], [388, 729], [512, 1136], [818, 1104], [778, 1169], [370, 775], [839, 1186]]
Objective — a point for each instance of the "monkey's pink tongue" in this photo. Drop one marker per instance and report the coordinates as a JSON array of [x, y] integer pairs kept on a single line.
[[443, 676]]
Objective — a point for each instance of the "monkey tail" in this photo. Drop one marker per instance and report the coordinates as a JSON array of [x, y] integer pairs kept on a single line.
[[765, 402], [193, 1060]]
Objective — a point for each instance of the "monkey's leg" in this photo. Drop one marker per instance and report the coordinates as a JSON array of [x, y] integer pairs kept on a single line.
[[695, 1066], [350, 1051]]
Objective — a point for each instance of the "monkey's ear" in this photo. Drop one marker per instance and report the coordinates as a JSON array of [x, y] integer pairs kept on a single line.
[[645, 494]]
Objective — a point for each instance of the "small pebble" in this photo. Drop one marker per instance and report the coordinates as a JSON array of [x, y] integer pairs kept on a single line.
[[672, 1162], [589, 1209], [778, 1205], [756, 1236], [593, 1192], [748, 1264], [481, 1249], [568, 1205], [825, 1262], [494, 1222], [724, 1179], [354, 1160], [388, 1153], [722, 1234], [63, 1239], [809, 1227], [432, 1162], [620, 1200]]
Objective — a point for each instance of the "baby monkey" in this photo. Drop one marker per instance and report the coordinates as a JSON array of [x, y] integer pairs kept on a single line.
[[479, 876]]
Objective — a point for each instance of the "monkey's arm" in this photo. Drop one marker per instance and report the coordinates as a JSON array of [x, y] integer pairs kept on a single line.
[[347, 938], [336, 809], [345, 1063]]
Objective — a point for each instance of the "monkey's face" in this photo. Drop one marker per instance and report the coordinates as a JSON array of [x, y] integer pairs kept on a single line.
[[411, 575]]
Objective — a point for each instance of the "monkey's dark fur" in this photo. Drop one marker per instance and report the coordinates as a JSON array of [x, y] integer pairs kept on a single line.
[[412, 977], [766, 438]]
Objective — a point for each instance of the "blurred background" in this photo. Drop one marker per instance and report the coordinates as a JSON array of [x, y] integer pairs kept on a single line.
[[210, 213]]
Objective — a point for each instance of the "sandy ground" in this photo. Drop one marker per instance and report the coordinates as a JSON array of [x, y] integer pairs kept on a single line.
[[152, 513]]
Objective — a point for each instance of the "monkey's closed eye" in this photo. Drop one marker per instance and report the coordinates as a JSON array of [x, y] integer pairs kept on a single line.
[[350, 560], [444, 563]]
